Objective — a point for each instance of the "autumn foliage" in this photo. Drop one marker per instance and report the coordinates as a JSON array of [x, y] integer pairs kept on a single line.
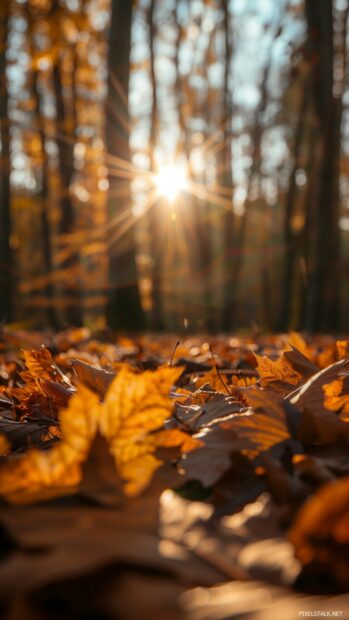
[[243, 425]]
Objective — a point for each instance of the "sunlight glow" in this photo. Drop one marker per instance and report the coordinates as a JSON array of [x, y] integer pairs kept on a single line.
[[170, 181]]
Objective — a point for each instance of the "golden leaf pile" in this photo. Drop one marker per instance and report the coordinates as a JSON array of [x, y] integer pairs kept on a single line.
[[131, 420]]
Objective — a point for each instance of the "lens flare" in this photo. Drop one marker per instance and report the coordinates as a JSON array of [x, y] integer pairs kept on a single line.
[[170, 181]]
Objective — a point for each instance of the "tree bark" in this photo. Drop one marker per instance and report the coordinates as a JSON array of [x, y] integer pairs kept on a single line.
[[44, 215], [124, 309], [290, 238], [154, 218], [227, 180], [5, 213], [322, 306], [65, 144]]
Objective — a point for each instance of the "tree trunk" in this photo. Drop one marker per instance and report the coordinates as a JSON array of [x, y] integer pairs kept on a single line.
[[240, 236], [5, 216], [65, 143], [290, 238], [322, 307], [44, 215], [155, 212], [124, 306], [227, 181]]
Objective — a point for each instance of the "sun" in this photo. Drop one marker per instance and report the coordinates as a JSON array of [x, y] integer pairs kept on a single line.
[[170, 181]]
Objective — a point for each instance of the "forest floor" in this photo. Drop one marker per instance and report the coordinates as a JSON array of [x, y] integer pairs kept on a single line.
[[142, 478]]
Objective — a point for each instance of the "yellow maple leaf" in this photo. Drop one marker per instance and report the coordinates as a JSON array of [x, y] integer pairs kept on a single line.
[[131, 419], [136, 405]]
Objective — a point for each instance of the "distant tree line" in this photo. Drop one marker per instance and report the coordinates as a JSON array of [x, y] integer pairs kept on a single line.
[[95, 97]]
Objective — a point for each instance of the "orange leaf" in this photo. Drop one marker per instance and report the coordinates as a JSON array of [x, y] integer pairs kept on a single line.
[[40, 364], [320, 532], [334, 399], [279, 370], [296, 340], [342, 348]]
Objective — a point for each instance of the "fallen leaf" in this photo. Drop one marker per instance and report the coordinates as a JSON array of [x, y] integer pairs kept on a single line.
[[335, 399], [135, 407], [95, 379], [342, 349], [41, 365], [278, 375], [39, 473], [263, 427], [131, 419], [21, 435], [320, 532]]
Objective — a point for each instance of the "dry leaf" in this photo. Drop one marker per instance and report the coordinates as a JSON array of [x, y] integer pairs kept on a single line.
[[96, 379], [135, 406], [335, 400], [41, 365], [342, 348], [264, 427], [320, 532], [40, 471], [296, 340], [131, 420], [4, 445], [276, 371]]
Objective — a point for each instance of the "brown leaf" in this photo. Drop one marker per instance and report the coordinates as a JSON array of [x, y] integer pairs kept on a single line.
[[318, 423], [301, 363], [41, 365], [320, 532], [278, 375], [195, 417], [265, 426], [23, 435], [58, 393], [95, 379], [209, 463]]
